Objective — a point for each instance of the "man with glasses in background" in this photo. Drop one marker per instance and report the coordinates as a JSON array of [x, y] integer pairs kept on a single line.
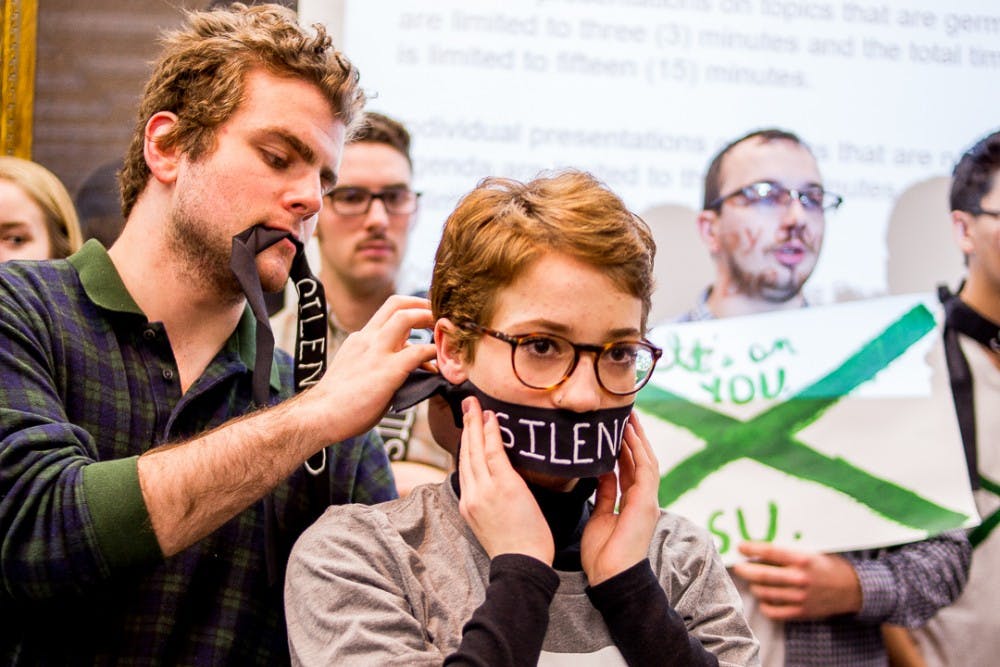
[[968, 632], [362, 233], [763, 222], [764, 234]]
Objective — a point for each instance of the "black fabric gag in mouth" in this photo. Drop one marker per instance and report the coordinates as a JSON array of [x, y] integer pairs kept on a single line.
[[310, 353]]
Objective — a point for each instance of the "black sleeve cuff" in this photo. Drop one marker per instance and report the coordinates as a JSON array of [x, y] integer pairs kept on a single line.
[[527, 570], [509, 627], [622, 586], [645, 628]]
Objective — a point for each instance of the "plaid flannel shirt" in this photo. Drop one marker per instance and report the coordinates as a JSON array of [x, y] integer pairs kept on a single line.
[[87, 384]]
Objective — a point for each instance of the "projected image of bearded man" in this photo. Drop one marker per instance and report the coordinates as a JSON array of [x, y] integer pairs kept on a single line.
[[767, 232]]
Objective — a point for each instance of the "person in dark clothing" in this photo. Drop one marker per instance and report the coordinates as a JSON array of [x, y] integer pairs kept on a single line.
[[966, 632]]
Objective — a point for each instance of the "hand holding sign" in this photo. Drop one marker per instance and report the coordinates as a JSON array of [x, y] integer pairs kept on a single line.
[[799, 585], [496, 502], [614, 542]]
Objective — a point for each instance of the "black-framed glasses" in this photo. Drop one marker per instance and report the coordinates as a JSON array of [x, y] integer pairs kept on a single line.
[[979, 210], [544, 361], [767, 194], [350, 200]]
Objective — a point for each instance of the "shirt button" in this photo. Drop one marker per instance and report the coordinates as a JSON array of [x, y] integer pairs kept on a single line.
[[168, 374], [149, 334]]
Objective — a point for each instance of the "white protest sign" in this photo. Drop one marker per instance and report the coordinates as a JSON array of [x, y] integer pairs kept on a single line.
[[826, 428]]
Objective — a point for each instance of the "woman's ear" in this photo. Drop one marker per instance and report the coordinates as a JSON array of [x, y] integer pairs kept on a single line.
[[450, 360]]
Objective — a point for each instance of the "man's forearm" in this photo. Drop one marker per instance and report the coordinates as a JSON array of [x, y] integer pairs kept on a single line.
[[193, 487]]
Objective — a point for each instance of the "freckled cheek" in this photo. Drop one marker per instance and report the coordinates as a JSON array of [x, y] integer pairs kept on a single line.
[[35, 249], [496, 377]]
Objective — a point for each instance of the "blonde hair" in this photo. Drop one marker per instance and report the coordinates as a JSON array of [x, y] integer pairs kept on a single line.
[[201, 73], [504, 225], [48, 192]]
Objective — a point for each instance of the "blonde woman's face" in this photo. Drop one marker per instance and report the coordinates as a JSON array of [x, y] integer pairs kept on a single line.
[[23, 233]]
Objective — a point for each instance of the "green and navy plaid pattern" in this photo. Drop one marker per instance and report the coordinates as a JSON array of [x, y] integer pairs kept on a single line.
[[86, 385]]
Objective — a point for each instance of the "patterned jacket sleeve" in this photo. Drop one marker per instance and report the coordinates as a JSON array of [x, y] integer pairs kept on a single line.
[[906, 585]]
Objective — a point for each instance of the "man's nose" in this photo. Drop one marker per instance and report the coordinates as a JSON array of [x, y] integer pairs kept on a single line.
[[377, 216], [794, 214], [305, 197]]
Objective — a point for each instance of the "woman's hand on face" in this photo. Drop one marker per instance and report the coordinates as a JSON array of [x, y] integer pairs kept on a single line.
[[614, 542], [496, 502]]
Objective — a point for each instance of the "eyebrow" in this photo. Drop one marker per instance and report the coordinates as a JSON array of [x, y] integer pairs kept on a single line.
[[303, 149], [387, 186], [563, 329], [781, 182]]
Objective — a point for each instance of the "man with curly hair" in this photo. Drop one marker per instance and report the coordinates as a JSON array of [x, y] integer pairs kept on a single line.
[[150, 486]]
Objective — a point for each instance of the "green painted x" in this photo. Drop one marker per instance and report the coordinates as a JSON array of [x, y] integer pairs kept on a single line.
[[990, 522], [769, 437]]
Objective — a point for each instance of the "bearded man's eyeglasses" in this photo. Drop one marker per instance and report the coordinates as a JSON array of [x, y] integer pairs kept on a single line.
[[979, 210], [545, 361], [349, 200], [766, 194]]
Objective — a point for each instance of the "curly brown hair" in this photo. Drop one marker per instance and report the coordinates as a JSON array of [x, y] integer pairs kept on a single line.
[[201, 72]]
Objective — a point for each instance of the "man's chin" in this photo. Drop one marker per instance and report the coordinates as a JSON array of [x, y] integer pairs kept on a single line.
[[376, 269], [375, 279], [781, 293], [782, 284], [778, 296], [274, 271], [274, 282]]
